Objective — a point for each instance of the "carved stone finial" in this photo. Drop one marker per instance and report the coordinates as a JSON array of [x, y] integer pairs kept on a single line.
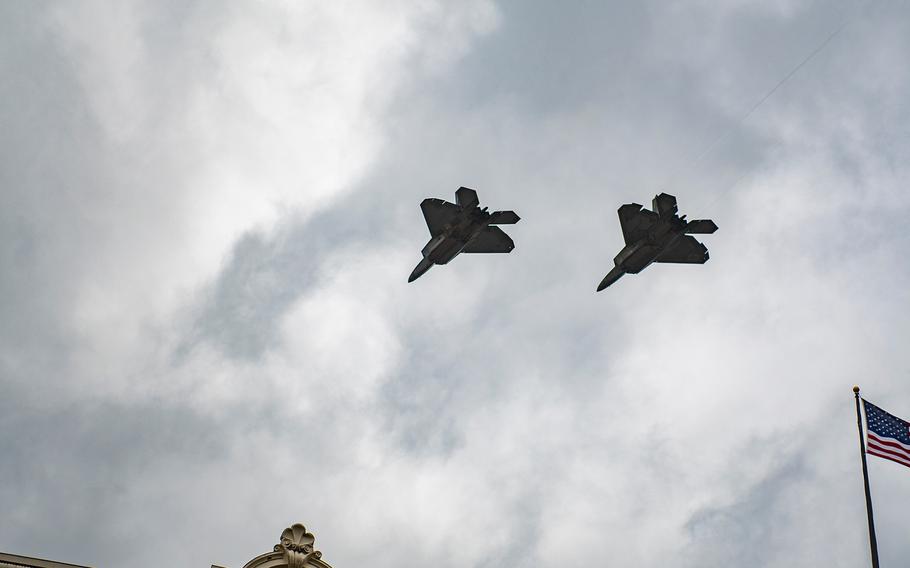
[[298, 546]]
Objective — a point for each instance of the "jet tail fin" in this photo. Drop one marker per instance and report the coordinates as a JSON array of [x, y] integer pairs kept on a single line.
[[664, 205], [504, 218], [466, 197], [701, 227], [611, 277]]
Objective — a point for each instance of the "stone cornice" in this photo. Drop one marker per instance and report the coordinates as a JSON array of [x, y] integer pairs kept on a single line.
[[27, 562]]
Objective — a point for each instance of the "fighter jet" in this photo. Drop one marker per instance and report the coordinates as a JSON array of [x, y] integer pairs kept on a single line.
[[657, 236], [461, 227]]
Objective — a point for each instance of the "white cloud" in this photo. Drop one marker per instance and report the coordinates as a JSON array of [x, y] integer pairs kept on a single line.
[[211, 123], [212, 324]]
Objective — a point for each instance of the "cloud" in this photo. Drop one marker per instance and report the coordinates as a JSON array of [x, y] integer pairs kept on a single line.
[[210, 212]]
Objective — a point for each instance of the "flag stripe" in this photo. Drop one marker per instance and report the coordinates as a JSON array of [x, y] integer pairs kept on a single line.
[[883, 450], [889, 457], [898, 447]]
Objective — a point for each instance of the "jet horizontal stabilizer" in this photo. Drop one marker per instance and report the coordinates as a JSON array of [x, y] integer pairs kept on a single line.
[[701, 227], [504, 218]]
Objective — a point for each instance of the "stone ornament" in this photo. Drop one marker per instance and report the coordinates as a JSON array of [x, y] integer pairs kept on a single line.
[[297, 545], [295, 549]]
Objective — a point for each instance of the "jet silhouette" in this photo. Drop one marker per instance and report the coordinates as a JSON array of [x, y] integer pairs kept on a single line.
[[657, 236], [461, 227]]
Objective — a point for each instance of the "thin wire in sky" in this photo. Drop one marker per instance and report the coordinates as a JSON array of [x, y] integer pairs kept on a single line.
[[730, 130], [770, 93]]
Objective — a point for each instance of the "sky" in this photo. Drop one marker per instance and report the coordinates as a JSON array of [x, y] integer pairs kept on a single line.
[[209, 211]]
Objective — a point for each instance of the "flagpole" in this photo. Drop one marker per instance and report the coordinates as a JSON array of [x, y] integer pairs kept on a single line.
[[862, 452]]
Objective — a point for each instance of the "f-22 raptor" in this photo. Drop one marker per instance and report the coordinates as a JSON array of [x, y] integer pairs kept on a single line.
[[657, 236], [461, 227]]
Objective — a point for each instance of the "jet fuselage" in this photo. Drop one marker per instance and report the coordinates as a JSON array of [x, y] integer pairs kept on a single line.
[[444, 247], [637, 256]]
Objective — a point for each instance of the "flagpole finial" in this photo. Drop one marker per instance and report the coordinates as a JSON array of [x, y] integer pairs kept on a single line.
[[855, 389]]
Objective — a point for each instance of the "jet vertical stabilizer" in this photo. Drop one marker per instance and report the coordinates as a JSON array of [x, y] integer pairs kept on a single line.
[[664, 205], [466, 197]]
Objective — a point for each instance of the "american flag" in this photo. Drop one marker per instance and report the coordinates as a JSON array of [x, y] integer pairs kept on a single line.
[[887, 436]]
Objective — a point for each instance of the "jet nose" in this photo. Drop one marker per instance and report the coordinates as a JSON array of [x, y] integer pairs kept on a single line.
[[610, 278], [420, 269]]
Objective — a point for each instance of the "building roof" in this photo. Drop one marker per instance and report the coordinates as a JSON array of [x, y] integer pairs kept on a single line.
[[27, 562]]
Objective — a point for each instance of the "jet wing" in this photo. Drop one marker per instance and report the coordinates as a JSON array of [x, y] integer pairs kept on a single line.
[[635, 222], [686, 250], [490, 239], [438, 214]]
